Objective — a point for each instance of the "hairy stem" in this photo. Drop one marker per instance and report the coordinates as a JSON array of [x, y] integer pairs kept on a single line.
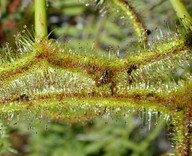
[[40, 19], [139, 27], [182, 13]]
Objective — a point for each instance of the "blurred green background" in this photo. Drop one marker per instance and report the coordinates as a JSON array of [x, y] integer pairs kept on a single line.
[[118, 132], [89, 29]]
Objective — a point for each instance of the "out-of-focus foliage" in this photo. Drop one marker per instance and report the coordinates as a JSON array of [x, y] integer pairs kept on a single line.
[[87, 30], [5, 144], [13, 16], [114, 135]]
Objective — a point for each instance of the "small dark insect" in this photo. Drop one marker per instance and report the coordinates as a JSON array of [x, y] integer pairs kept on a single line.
[[148, 32], [179, 109], [23, 97], [129, 71], [113, 88], [130, 81], [149, 95], [131, 68], [105, 77]]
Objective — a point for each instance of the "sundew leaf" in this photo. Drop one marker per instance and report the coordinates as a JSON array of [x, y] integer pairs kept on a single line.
[[55, 81]]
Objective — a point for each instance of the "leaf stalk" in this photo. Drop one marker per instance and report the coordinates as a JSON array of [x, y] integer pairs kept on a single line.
[[40, 19]]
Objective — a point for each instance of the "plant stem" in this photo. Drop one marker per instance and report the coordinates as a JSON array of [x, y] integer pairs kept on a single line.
[[182, 13], [40, 19], [139, 27]]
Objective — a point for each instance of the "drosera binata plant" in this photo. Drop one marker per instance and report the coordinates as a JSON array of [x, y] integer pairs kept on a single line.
[[72, 87]]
